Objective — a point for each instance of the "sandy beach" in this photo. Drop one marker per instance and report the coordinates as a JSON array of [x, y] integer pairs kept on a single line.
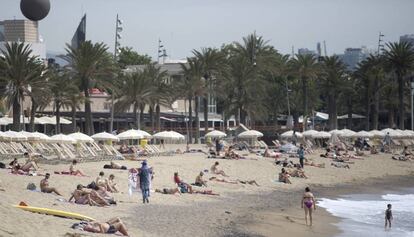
[[240, 210]]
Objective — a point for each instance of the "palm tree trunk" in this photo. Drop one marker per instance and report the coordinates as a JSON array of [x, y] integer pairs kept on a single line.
[[157, 118], [190, 120], [141, 116], [305, 101], [73, 118], [375, 114], [32, 116], [136, 116], [205, 103], [57, 117], [88, 114], [197, 120], [401, 110], [334, 112], [16, 114], [349, 108], [151, 117], [367, 113]]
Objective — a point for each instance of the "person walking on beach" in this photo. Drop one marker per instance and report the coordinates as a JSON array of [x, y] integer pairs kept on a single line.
[[387, 142], [308, 202], [145, 174], [301, 153], [388, 216], [294, 138]]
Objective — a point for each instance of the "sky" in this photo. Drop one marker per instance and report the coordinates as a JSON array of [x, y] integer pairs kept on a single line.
[[184, 25]]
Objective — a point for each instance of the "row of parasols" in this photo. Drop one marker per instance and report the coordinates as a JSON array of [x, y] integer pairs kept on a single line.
[[42, 120], [347, 133]]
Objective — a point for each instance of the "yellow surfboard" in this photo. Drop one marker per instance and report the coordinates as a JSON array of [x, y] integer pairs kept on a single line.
[[54, 212]]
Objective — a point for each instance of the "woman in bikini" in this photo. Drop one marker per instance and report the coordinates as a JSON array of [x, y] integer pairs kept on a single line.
[[308, 202], [110, 227], [74, 171]]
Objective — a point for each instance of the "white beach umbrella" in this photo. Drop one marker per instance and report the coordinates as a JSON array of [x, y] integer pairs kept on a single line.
[[61, 121], [336, 131], [41, 136], [347, 133], [168, 135], [250, 134], [80, 137], [144, 134], [30, 136], [309, 133], [46, 120], [6, 121], [131, 134], [363, 134], [215, 134], [322, 135], [410, 133], [289, 134], [14, 136], [403, 133], [104, 136], [376, 133], [62, 138]]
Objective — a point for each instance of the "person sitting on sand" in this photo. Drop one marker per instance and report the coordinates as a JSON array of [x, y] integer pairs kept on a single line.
[[111, 226], [215, 170], [373, 150], [359, 152], [308, 204], [406, 153], [222, 180], [184, 187], [284, 177], [102, 182], [74, 171], [44, 186], [168, 190], [23, 169], [298, 172], [86, 196], [112, 184], [199, 181], [327, 154], [115, 166]]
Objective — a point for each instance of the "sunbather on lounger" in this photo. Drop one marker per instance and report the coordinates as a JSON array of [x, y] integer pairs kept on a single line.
[[111, 226]]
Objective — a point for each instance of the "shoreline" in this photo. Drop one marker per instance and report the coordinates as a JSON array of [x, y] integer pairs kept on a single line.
[[290, 221]]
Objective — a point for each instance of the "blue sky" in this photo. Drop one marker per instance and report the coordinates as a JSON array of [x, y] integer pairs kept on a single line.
[[184, 25]]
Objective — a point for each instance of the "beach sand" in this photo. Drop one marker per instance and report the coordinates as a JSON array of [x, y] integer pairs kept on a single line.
[[240, 210]]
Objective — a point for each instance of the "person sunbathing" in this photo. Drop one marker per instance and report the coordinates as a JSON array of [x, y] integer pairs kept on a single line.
[[112, 184], [311, 163], [111, 226], [124, 149], [74, 171], [406, 153], [400, 158], [215, 170], [184, 187], [328, 154], [298, 172], [199, 181], [102, 182], [115, 166], [271, 154], [223, 180], [23, 169], [340, 165], [284, 177], [251, 182], [86, 196], [44, 186], [168, 191]]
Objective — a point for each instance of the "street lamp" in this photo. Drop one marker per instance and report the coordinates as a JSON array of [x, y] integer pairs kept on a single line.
[[118, 30]]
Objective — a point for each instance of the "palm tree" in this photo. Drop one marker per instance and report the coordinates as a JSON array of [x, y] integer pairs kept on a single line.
[[75, 100], [20, 72], [91, 65], [212, 63], [136, 90], [193, 86], [333, 79], [306, 68], [400, 59]]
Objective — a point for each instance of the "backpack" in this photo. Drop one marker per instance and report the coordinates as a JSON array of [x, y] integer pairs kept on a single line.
[[31, 186]]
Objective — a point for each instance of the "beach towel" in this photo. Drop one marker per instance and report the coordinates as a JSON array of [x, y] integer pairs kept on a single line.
[[133, 181]]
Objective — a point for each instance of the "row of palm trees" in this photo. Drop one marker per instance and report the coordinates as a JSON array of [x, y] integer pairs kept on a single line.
[[250, 80]]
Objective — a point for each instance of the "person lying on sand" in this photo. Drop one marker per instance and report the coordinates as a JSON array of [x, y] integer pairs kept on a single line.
[[168, 191], [184, 187], [311, 163], [44, 186], [22, 169], [215, 170], [271, 154], [284, 177], [373, 150], [340, 165], [222, 180], [251, 182], [115, 166], [328, 154], [85, 196], [400, 158], [74, 171], [199, 181], [407, 153], [111, 226]]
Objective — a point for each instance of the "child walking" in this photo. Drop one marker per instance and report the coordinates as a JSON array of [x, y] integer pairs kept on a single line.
[[388, 216]]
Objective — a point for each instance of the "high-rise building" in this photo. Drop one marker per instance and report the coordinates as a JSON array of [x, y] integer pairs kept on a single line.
[[407, 38], [20, 31], [305, 51], [353, 56]]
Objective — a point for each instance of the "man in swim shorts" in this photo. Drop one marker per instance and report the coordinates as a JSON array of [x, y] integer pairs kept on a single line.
[[44, 186]]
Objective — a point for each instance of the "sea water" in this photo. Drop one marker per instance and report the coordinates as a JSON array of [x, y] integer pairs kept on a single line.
[[364, 215]]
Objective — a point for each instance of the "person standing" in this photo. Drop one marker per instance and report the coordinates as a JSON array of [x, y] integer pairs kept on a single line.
[[218, 147], [294, 138], [308, 203], [145, 176], [388, 216], [387, 142], [301, 153]]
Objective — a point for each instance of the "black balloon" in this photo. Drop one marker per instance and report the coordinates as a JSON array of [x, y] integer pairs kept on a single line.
[[35, 10]]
